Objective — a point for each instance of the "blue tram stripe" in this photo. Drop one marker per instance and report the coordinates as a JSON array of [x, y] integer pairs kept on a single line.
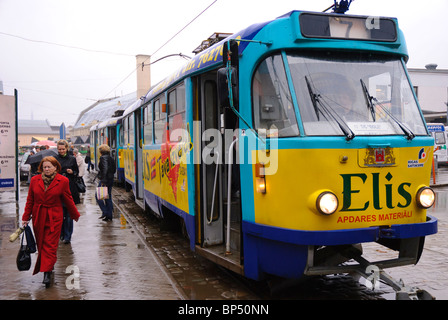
[[340, 237]]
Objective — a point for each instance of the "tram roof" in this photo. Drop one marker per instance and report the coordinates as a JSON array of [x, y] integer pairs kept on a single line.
[[107, 123], [308, 27], [104, 110], [134, 106], [205, 59]]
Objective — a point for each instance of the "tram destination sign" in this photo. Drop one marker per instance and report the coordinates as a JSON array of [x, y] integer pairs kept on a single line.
[[336, 26]]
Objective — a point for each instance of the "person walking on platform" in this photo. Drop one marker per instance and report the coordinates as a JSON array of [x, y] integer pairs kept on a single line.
[[81, 165], [88, 161], [79, 162], [106, 176], [47, 193], [69, 169]]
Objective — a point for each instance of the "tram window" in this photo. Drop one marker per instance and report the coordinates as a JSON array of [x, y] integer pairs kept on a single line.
[[340, 84], [157, 128], [172, 102], [126, 130], [131, 130], [102, 137], [105, 136], [159, 119], [180, 98], [176, 100], [112, 137], [121, 135], [157, 110], [148, 122], [271, 98]]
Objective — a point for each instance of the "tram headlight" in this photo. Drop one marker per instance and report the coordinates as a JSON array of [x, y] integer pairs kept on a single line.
[[260, 184], [425, 197], [327, 203], [260, 178]]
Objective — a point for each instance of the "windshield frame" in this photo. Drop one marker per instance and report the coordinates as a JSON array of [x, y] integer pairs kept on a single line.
[[397, 114], [346, 73]]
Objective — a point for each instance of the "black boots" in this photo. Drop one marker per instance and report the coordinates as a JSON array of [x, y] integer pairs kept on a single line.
[[47, 279]]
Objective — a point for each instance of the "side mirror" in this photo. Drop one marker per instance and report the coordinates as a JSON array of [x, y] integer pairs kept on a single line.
[[229, 52], [223, 87]]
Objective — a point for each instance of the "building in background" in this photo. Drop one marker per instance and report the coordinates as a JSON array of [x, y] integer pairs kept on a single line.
[[97, 112], [30, 131], [431, 87]]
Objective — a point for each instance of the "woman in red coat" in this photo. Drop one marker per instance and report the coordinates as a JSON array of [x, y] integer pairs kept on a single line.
[[46, 194]]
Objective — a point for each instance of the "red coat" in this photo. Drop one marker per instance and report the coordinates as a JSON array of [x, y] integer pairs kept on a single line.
[[45, 208]]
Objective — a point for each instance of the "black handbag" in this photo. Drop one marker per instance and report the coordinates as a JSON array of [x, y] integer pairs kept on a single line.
[[80, 185], [30, 242], [24, 256]]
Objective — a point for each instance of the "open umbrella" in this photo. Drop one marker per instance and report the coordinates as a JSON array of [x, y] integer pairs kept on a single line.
[[46, 143], [40, 155]]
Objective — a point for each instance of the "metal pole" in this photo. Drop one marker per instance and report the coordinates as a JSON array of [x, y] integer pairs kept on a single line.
[[209, 221], [17, 148], [229, 195]]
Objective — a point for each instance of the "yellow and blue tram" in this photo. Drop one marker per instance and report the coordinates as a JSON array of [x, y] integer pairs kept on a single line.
[[284, 147], [108, 132]]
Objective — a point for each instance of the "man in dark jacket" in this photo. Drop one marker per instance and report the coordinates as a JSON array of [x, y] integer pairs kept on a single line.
[[106, 174], [69, 168]]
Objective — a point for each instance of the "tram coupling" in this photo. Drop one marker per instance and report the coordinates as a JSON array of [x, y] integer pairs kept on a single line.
[[402, 292]]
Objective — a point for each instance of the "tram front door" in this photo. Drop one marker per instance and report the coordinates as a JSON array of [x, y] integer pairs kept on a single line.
[[211, 163], [138, 161], [218, 239], [218, 127]]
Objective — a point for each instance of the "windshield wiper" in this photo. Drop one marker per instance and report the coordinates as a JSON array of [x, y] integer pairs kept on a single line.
[[371, 105], [369, 98], [314, 99], [319, 105]]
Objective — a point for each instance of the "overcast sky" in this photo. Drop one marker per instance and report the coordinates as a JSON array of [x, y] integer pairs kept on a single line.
[[57, 82]]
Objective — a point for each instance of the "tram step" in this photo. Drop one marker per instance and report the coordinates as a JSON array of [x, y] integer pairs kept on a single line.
[[140, 202], [218, 255], [235, 236]]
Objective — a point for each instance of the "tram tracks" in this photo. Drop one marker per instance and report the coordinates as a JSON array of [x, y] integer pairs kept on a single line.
[[196, 278]]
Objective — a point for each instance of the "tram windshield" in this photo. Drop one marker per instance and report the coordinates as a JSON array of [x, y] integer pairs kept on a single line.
[[337, 94], [360, 94]]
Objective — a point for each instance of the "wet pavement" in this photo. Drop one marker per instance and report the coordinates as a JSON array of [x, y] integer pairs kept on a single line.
[[133, 258], [439, 177], [431, 273], [105, 260]]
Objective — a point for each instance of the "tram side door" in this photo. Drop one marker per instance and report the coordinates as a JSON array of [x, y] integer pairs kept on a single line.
[[96, 152], [138, 155], [112, 134], [211, 163]]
